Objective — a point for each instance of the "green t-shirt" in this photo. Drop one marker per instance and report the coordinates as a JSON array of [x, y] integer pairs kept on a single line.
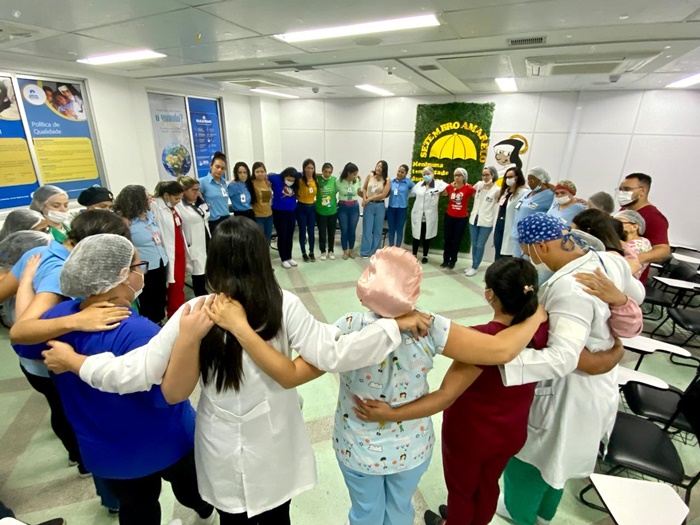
[[348, 191], [327, 198]]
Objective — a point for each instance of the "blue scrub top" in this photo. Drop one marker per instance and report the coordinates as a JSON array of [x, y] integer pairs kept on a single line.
[[567, 214], [216, 196], [398, 196], [240, 196], [120, 436], [148, 240]]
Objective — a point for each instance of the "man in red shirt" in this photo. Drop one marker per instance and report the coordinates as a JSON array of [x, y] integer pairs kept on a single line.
[[634, 195]]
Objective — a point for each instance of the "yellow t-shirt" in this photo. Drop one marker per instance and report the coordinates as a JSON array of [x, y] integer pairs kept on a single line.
[[307, 191]]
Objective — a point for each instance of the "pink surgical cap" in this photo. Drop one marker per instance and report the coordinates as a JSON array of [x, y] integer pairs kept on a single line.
[[390, 285]]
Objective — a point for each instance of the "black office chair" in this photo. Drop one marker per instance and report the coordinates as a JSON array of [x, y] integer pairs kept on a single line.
[[641, 446], [657, 294]]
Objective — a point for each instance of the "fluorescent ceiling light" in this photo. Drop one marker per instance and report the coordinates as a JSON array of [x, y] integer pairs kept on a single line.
[[380, 26], [375, 90], [507, 84], [115, 58], [274, 93], [685, 82]]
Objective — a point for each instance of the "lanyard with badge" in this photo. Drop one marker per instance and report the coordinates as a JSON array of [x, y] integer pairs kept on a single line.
[[154, 234]]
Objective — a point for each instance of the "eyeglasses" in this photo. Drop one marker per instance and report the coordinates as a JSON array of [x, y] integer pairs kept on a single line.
[[141, 267]]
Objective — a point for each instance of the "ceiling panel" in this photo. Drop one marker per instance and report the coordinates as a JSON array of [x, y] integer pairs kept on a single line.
[[687, 62], [174, 29], [69, 47], [74, 15], [537, 17], [320, 77], [369, 74], [459, 5], [478, 67], [259, 47], [169, 61], [296, 15]]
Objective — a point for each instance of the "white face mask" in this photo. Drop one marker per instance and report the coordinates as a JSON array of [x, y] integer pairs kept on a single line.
[[59, 217], [137, 292], [289, 183], [625, 197], [541, 267], [563, 200], [510, 182]]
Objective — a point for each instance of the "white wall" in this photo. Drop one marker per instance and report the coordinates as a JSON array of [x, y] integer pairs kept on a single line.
[[613, 134]]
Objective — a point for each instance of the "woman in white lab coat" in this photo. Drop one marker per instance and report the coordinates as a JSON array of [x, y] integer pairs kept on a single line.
[[167, 196], [195, 225], [572, 411], [424, 215]]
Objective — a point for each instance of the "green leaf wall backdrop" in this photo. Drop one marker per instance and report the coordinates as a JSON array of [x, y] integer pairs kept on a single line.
[[450, 136]]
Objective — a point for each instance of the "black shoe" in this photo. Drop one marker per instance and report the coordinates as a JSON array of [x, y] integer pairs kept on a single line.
[[55, 521], [451, 266], [113, 512], [424, 260], [305, 257], [311, 257], [431, 518], [442, 509], [443, 265], [83, 472]]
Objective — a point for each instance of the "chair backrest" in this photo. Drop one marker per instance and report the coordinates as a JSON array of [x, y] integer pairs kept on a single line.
[[689, 405], [683, 271]]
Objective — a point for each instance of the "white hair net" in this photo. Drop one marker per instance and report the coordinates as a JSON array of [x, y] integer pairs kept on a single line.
[[43, 194], [17, 244], [97, 264], [540, 174], [19, 220], [428, 170], [463, 171], [633, 217]]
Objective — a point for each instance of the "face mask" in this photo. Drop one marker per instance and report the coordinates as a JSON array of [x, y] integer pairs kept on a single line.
[[625, 197], [427, 178], [563, 200], [542, 268], [510, 182], [137, 292], [289, 183], [537, 188], [59, 217]]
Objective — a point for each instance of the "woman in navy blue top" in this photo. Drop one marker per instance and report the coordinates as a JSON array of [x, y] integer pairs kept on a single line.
[[130, 440], [285, 187], [240, 191]]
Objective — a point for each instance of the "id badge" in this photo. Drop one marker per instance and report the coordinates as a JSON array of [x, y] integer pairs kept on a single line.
[[177, 221], [502, 201], [223, 192], [311, 189], [396, 192], [156, 238], [243, 199], [517, 206]]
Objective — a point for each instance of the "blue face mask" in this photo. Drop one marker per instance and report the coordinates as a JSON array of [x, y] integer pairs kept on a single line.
[[537, 188], [427, 178]]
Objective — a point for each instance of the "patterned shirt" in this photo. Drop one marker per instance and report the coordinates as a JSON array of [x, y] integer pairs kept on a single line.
[[387, 448]]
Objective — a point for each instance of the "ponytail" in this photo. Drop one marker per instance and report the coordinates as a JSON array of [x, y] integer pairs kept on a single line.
[[514, 282], [171, 187]]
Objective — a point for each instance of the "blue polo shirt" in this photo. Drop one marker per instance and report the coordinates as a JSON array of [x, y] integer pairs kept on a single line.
[[148, 240], [216, 196], [283, 197], [240, 196], [398, 196], [120, 436]]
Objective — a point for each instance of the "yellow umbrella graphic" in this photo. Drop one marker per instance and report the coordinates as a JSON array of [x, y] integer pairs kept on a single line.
[[455, 146]]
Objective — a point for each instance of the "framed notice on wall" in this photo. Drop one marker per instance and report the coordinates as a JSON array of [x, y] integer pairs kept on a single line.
[[205, 124], [171, 135], [17, 176]]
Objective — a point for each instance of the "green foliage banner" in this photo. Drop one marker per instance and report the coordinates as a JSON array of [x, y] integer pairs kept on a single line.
[[450, 136]]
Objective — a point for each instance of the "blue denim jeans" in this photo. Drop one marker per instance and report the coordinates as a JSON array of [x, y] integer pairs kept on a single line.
[[479, 234], [396, 217], [348, 216], [265, 224], [306, 218], [372, 226]]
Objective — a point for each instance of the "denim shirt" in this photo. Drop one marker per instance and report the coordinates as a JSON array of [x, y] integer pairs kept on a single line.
[[398, 196]]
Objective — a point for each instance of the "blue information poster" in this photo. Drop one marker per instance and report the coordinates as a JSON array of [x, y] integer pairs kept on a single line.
[[206, 131], [17, 176], [56, 114]]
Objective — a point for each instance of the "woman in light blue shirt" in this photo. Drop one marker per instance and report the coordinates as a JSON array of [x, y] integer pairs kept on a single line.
[[213, 188], [240, 191], [538, 200], [132, 204], [398, 205]]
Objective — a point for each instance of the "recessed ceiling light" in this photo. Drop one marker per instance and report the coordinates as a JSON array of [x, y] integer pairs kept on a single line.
[[507, 84], [669, 56], [380, 26], [624, 17], [273, 93], [568, 36], [375, 90], [115, 58], [667, 47], [685, 82]]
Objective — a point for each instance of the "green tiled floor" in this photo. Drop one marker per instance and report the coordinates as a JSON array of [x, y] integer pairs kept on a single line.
[[36, 481]]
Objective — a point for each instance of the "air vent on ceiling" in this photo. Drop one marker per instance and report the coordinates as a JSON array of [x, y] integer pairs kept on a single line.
[[529, 41], [428, 67], [255, 83], [604, 64], [284, 62], [10, 32]]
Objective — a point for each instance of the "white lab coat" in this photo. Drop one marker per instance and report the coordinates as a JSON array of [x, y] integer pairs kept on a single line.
[[195, 228], [485, 208], [252, 450], [572, 411], [508, 244], [426, 205], [164, 220]]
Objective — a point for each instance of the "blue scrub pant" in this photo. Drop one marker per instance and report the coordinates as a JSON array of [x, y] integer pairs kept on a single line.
[[382, 500], [396, 217]]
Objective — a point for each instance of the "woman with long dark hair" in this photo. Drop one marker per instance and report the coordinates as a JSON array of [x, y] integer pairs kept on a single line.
[[374, 191], [214, 190], [262, 199], [246, 422], [195, 225], [513, 188], [241, 191], [348, 208], [306, 208], [285, 187]]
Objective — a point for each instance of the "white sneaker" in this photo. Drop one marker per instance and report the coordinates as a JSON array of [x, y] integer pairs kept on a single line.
[[331, 256], [323, 256], [293, 262], [198, 520], [286, 265], [471, 272], [175, 522]]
